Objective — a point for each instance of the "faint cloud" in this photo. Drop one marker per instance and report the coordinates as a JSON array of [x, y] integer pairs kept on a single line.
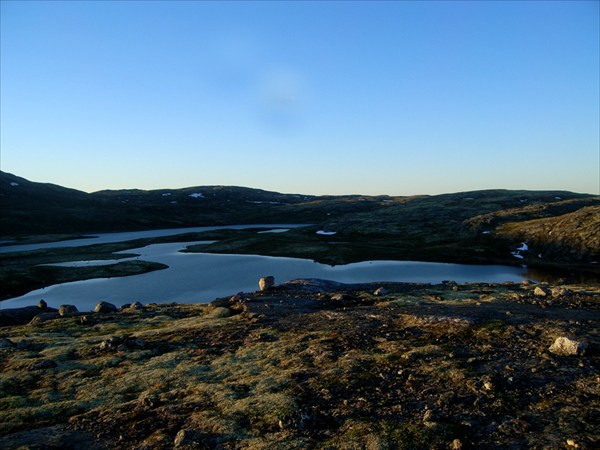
[[241, 75], [232, 63], [282, 95]]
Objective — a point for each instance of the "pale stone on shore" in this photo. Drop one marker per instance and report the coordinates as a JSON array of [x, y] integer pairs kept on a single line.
[[105, 307], [265, 283], [65, 310]]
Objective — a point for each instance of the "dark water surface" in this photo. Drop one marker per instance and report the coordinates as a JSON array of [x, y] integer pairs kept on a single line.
[[202, 277]]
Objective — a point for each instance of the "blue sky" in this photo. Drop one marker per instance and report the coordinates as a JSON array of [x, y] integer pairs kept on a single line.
[[392, 98]]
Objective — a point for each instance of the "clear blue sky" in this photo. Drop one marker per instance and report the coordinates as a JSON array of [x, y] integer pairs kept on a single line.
[[320, 98]]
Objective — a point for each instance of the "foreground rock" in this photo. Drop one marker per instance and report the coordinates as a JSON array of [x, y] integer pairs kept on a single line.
[[105, 307], [265, 283], [65, 310], [567, 347]]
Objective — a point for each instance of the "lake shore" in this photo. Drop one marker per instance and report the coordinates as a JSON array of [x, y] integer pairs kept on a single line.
[[313, 364]]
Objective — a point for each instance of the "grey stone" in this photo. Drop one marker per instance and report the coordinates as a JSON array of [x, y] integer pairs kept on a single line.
[[380, 291], [567, 347], [541, 291], [105, 307], [86, 320], [265, 283], [65, 310], [187, 438]]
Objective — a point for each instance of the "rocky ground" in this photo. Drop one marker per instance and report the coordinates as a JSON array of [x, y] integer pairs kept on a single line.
[[313, 364]]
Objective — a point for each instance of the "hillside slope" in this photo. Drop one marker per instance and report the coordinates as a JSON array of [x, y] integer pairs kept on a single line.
[[469, 227], [37, 208], [572, 236]]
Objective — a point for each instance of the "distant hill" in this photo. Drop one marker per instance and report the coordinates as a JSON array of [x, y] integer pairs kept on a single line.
[[478, 226], [40, 208]]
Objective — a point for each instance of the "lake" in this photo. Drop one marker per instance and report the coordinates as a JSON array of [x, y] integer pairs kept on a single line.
[[107, 238], [202, 277]]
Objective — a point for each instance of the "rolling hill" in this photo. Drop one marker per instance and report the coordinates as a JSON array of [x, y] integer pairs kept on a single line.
[[481, 226]]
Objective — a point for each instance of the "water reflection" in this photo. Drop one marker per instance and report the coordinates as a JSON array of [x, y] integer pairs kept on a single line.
[[202, 277], [559, 275]]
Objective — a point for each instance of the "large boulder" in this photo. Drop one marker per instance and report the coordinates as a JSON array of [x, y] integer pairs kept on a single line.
[[105, 307], [136, 306], [66, 310], [265, 283], [567, 347]]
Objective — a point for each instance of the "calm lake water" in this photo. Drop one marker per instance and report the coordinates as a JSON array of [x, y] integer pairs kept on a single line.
[[107, 238], [202, 277]]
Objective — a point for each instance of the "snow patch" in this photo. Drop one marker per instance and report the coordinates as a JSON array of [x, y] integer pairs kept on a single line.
[[486, 232], [260, 202], [523, 248], [275, 230], [557, 198], [196, 195], [13, 184], [166, 194], [326, 233]]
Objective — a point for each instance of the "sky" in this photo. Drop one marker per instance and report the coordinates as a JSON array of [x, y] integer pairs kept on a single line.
[[395, 98]]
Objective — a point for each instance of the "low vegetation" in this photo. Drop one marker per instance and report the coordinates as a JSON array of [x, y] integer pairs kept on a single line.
[[312, 365]]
